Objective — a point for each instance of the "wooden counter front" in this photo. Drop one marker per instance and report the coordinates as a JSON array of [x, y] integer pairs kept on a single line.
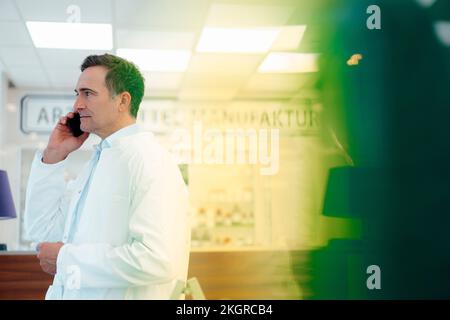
[[222, 275], [21, 277]]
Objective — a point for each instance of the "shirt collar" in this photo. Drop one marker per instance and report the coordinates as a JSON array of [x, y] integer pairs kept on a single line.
[[124, 132]]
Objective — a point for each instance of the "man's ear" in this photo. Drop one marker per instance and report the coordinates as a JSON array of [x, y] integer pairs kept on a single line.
[[125, 101]]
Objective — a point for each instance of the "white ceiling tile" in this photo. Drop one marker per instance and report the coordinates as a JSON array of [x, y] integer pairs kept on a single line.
[[289, 38], [157, 60], [8, 12], [208, 81], [247, 16], [19, 57], [290, 62], [143, 39], [63, 78], [210, 94], [224, 63], [98, 11], [162, 80], [68, 59], [172, 15], [14, 34], [237, 40], [28, 77], [276, 82]]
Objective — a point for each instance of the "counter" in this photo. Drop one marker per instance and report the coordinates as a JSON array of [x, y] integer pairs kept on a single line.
[[222, 275]]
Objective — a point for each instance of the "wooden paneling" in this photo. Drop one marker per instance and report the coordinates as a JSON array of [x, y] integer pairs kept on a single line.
[[222, 275], [21, 277], [251, 274]]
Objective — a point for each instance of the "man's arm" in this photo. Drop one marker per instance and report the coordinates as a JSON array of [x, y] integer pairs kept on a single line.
[[46, 201]]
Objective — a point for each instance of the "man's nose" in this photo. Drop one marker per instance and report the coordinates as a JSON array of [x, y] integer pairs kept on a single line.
[[78, 105]]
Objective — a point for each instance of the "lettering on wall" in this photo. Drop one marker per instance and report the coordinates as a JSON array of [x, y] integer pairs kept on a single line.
[[40, 113], [166, 116]]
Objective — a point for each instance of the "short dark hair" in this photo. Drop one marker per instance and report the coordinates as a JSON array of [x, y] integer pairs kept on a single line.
[[122, 76]]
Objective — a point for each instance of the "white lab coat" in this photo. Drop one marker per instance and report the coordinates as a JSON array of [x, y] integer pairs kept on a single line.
[[133, 237]]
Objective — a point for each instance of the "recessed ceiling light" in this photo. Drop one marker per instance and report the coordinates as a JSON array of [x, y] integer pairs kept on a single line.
[[287, 62], [157, 60], [255, 40], [61, 35]]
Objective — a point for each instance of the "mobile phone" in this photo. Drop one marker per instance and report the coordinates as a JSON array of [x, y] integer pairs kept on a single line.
[[74, 125]]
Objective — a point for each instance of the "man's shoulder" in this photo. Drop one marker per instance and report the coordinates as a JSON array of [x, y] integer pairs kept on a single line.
[[137, 140], [146, 157], [143, 146]]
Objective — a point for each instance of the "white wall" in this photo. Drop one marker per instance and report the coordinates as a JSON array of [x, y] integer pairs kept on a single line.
[[8, 228]]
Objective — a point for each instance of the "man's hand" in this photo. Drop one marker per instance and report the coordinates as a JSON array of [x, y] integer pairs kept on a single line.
[[62, 142], [47, 254]]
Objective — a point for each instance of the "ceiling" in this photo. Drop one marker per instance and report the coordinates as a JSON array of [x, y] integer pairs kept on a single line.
[[157, 24]]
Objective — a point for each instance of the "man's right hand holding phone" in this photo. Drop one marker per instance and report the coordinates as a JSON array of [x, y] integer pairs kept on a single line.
[[62, 141]]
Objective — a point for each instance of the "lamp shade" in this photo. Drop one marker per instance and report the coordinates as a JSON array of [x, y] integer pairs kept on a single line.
[[7, 210]]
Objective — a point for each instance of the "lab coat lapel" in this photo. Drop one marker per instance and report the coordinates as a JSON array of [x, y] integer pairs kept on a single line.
[[82, 179]]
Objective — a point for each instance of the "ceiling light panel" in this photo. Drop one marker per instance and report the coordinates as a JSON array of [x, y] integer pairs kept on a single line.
[[234, 40], [61, 35]]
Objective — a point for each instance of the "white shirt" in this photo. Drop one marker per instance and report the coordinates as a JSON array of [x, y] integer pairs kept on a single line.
[[132, 236]]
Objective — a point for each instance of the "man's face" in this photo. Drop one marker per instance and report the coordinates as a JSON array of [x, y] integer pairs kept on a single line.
[[99, 112]]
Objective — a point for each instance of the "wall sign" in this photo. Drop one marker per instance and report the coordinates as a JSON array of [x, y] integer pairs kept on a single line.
[[40, 113], [164, 116]]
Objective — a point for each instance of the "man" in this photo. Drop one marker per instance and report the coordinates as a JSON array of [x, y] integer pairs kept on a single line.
[[120, 230]]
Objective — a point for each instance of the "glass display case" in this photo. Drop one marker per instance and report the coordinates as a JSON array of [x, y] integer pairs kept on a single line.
[[223, 214]]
